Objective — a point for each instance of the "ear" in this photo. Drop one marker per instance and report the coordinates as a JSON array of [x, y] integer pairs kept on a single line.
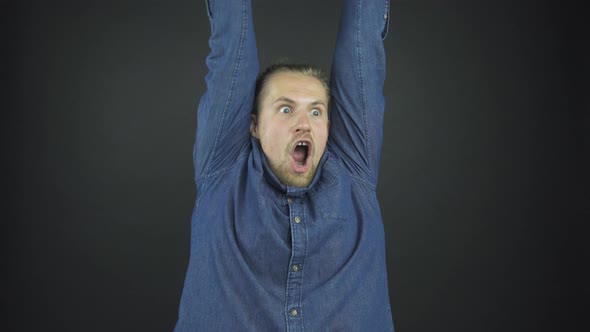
[[254, 126]]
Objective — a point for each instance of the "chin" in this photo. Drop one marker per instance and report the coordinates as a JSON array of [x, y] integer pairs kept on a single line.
[[295, 180], [288, 177], [301, 180], [299, 183]]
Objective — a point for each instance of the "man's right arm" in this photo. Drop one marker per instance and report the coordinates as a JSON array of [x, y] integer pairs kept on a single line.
[[224, 110]]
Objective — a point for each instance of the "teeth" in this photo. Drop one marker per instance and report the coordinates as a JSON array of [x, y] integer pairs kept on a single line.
[[302, 144]]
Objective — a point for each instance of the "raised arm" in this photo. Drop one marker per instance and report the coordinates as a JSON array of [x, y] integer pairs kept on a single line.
[[356, 85], [224, 109]]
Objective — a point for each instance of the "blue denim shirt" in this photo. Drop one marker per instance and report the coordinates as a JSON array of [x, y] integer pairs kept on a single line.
[[268, 257]]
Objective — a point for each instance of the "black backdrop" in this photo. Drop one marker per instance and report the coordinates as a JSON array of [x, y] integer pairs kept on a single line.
[[483, 185]]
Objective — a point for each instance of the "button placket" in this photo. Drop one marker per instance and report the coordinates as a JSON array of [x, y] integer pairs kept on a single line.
[[293, 310]]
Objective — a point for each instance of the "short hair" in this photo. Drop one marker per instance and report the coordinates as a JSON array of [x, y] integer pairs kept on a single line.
[[299, 68]]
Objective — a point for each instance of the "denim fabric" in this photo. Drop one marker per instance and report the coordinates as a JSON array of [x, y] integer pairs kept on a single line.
[[267, 257]]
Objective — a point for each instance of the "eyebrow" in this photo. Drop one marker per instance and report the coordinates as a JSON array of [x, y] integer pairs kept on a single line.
[[291, 101]]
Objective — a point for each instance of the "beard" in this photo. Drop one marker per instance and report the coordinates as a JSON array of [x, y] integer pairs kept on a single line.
[[289, 178]]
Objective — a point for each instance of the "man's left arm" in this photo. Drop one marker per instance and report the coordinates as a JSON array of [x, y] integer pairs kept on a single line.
[[356, 86]]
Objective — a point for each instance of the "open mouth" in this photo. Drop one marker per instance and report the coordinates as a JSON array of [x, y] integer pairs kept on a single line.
[[300, 155]]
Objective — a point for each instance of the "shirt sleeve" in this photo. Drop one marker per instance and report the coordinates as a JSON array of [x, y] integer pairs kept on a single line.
[[356, 85], [223, 117]]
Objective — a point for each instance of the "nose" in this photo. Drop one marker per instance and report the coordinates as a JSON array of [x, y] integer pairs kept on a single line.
[[302, 123]]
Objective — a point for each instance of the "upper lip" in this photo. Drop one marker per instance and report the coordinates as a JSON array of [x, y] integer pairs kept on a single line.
[[307, 142]]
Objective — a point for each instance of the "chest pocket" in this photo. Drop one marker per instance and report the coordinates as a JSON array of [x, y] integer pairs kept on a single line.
[[333, 201]]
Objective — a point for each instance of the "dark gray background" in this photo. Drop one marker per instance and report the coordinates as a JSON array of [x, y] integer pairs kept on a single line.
[[483, 186]]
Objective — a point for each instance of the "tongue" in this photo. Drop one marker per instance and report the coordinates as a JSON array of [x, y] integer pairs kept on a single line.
[[299, 154]]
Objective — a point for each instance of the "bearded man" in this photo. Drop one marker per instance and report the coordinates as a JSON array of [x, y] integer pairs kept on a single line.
[[286, 232]]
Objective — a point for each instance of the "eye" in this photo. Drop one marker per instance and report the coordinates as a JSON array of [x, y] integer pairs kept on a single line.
[[285, 110], [315, 112]]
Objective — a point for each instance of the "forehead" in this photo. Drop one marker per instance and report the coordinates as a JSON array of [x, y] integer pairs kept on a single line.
[[295, 86]]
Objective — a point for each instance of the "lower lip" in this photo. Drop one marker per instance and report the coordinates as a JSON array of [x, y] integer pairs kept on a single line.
[[300, 168]]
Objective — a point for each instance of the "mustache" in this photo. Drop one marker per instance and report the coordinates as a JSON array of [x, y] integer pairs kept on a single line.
[[302, 137]]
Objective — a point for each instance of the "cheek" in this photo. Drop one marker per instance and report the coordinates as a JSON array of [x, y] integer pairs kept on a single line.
[[322, 132], [321, 138], [271, 139]]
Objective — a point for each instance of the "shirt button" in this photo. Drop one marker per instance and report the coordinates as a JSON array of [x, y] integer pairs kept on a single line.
[[289, 200], [295, 268], [297, 220], [294, 312]]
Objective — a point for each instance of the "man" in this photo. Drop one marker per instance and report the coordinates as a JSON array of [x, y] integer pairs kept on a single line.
[[286, 230]]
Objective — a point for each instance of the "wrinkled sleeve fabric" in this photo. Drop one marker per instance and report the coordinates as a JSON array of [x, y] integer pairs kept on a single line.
[[223, 117], [356, 85]]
